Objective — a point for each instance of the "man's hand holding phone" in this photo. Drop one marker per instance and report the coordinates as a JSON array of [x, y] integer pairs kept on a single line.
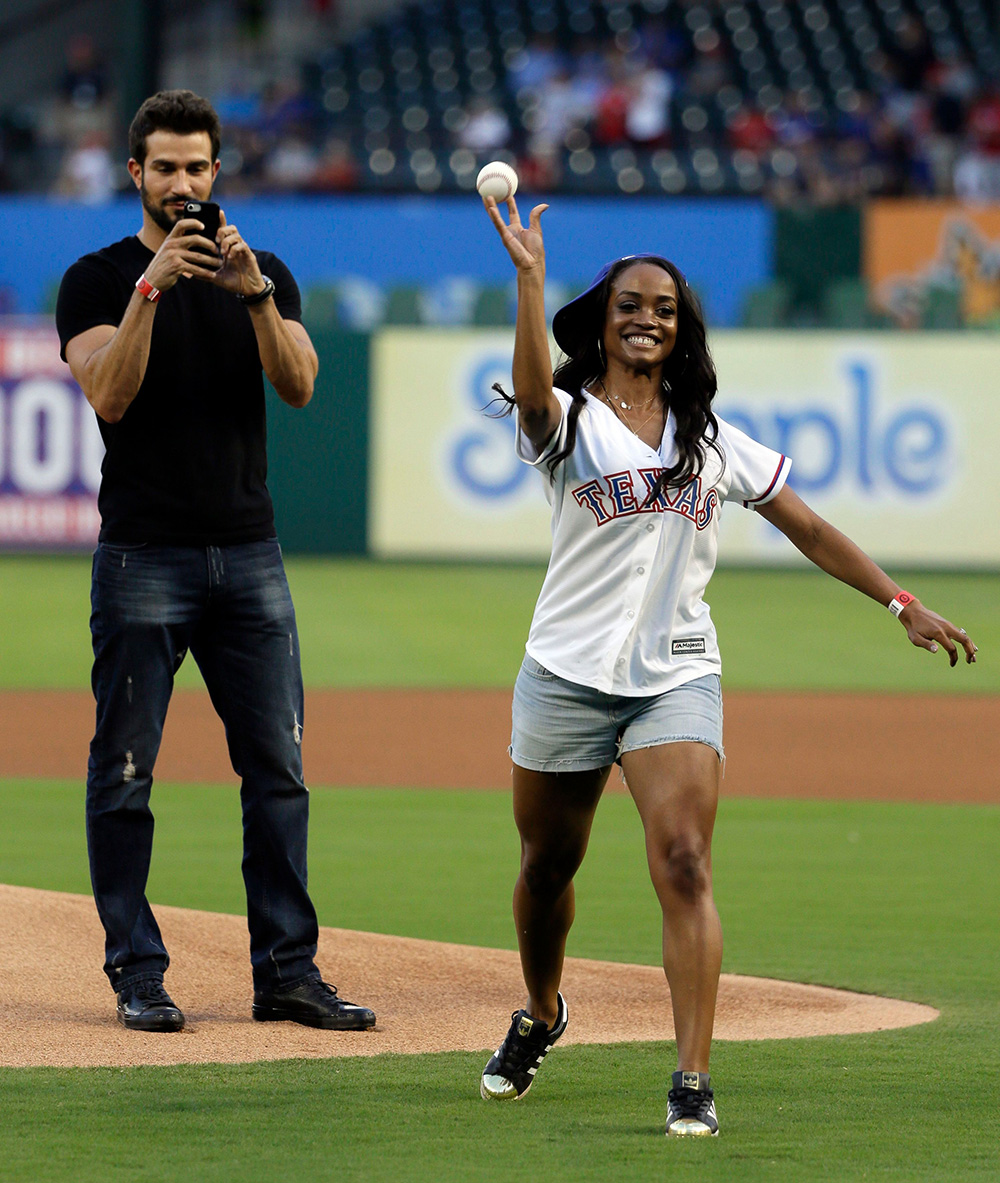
[[202, 245], [184, 252], [240, 272]]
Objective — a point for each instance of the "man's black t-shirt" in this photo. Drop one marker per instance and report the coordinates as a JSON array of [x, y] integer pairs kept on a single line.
[[187, 462]]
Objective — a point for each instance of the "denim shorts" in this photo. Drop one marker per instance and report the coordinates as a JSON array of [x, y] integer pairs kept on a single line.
[[560, 726]]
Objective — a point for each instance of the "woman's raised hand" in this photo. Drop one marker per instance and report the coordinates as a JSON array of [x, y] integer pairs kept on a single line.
[[524, 244]]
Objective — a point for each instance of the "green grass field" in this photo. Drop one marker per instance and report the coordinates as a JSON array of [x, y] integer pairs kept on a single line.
[[895, 899], [365, 624]]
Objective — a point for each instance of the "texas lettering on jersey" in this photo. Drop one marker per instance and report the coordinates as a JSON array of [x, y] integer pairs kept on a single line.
[[614, 496]]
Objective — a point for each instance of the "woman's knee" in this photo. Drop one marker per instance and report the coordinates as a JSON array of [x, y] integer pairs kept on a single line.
[[681, 867], [547, 874]]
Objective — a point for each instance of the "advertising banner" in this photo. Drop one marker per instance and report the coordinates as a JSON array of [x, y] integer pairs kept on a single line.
[[50, 446], [918, 252], [892, 438]]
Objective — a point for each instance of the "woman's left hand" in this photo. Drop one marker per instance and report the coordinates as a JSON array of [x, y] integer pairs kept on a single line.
[[927, 631]]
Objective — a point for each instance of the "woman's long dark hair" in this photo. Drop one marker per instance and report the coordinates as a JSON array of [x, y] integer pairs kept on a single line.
[[689, 380]]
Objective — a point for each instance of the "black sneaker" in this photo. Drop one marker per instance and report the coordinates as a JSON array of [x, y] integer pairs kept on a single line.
[[314, 1004], [691, 1107], [510, 1072], [146, 1006]]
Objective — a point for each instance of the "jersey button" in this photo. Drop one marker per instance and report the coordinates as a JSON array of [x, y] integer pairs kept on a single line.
[[630, 614], [640, 571], [650, 528]]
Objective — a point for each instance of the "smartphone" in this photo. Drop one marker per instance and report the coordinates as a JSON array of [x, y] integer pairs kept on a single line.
[[207, 212]]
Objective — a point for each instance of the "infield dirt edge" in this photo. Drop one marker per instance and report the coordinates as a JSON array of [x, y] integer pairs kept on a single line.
[[429, 996], [777, 744]]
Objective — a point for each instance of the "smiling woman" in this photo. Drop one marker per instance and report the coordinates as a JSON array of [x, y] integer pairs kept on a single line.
[[653, 341], [622, 663]]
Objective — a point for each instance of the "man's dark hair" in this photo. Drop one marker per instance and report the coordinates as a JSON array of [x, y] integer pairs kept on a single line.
[[180, 111]]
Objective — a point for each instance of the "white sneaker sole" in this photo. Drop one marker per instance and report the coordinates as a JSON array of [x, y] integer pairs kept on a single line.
[[505, 1091], [688, 1127]]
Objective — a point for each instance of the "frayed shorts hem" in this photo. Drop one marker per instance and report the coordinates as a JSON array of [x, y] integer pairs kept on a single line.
[[665, 739], [585, 765], [555, 765]]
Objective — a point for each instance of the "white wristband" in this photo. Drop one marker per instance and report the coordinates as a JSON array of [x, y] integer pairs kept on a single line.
[[145, 288], [898, 603]]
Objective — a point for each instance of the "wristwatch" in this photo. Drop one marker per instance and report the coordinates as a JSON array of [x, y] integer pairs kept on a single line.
[[265, 293]]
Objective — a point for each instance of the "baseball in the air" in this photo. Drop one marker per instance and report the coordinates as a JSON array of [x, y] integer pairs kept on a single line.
[[496, 180]]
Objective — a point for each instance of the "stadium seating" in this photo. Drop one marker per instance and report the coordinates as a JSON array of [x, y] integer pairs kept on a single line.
[[403, 88]]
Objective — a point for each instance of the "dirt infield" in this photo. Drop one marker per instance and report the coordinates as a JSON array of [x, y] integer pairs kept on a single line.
[[834, 746], [404, 980]]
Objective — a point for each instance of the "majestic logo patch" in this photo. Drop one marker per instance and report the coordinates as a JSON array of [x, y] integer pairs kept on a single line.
[[688, 645]]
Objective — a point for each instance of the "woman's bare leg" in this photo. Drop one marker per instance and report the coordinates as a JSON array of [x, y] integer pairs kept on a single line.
[[554, 814], [676, 789]]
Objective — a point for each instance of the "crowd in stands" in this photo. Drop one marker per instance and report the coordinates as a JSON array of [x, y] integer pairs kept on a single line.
[[63, 143], [819, 101]]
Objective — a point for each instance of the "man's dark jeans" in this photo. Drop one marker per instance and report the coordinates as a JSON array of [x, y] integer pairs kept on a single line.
[[231, 607]]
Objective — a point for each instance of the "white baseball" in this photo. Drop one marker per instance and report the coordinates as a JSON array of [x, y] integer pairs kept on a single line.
[[498, 180]]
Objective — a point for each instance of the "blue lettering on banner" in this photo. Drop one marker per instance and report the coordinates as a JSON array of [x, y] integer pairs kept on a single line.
[[905, 451], [482, 459], [790, 430], [912, 447]]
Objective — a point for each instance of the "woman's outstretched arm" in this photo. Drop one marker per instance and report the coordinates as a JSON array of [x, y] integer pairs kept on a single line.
[[836, 554]]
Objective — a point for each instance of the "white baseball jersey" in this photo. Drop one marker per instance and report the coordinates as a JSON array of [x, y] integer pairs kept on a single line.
[[621, 609]]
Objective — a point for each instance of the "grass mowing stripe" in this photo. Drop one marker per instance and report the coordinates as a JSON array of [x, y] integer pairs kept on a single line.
[[828, 892], [894, 898], [845, 1108], [369, 624]]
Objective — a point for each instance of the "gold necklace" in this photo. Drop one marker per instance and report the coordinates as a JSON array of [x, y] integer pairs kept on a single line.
[[636, 430], [622, 402]]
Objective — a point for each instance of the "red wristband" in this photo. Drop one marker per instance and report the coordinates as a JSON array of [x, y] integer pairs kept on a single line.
[[899, 602], [145, 288]]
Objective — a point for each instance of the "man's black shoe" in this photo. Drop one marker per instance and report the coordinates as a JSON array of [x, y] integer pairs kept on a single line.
[[146, 1006], [314, 1004]]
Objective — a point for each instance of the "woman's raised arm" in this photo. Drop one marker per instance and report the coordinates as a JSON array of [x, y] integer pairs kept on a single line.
[[538, 408]]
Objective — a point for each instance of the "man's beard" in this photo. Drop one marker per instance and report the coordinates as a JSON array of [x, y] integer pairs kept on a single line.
[[162, 215]]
